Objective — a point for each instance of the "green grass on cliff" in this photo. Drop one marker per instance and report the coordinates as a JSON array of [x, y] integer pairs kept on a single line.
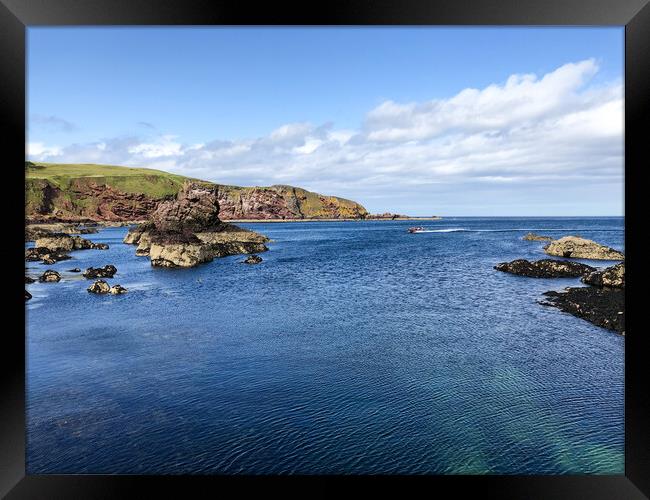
[[154, 183]]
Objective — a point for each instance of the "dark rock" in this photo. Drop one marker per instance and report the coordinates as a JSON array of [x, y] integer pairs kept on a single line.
[[100, 287], [545, 268], [604, 307], [29, 280], [99, 246], [74, 270], [27, 295], [536, 237], [613, 277], [50, 276], [107, 271], [253, 259]]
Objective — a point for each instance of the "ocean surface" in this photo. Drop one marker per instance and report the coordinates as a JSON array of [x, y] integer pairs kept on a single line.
[[354, 347]]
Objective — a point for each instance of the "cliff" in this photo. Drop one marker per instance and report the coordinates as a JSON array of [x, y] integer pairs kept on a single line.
[[104, 193]]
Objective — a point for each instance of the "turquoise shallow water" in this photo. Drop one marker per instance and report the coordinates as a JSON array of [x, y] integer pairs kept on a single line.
[[353, 348]]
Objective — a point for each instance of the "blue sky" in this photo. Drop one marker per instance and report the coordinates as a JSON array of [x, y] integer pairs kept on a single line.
[[372, 114]]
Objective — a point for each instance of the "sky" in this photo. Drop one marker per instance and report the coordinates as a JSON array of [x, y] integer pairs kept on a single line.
[[412, 120]]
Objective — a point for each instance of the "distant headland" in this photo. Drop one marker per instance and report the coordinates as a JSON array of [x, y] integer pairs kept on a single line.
[[80, 193]]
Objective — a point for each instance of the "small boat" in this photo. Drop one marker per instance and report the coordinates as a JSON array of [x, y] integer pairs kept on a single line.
[[418, 229]]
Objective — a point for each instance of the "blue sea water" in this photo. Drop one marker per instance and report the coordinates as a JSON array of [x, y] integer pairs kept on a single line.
[[354, 347]]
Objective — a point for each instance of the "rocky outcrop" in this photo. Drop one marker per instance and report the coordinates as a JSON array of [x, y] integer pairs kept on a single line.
[[545, 268], [107, 271], [187, 231], [99, 287], [35, 231], [581, 248], [27, 295], [67, 243], [536, 237], [50, 276], [117, 290], [253, 259], [29, 280], [44, 254], [611, 277], [604, 307]]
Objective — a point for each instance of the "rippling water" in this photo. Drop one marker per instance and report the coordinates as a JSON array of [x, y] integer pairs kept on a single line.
[[355, 347]]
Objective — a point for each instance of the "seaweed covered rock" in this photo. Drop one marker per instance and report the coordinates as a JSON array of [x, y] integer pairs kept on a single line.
[[545, 268], [581, 248], [99, 287], [604, 307], [107, 271], [612, 277], [50, 276]]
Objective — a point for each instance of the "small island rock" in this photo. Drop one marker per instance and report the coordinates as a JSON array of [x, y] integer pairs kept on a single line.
[[50, 276], [253, 259], [604, 307], [545, 268], [117, 290], [100, 287], [536, 237], [612, 277], [581, 248], [107, 271]]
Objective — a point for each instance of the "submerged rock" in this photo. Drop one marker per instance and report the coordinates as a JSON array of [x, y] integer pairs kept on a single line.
[[536, 237], [253, 259], [74, 270], [29, 280], [100, 287], [545, 268], [50, 276], [612, 277], [27, 295], [187, 231], [581, 248], [107, 271], [604, 307]]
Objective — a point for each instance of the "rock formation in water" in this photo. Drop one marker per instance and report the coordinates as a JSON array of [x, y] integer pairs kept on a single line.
[[187, 231], [604, 307], [545, 268], [581, 248], [252, 259], [50, 276], [107, 271], [536, 237], [611, 277], [602, 303], [27, 295]]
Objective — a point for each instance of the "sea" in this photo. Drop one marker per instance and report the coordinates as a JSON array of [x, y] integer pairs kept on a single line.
[[353, 348]]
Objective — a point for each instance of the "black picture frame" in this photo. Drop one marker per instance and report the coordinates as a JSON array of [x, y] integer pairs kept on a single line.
[[16, 15]]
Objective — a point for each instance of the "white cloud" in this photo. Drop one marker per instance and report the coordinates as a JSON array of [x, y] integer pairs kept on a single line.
[[165, 146], [529, 130]]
